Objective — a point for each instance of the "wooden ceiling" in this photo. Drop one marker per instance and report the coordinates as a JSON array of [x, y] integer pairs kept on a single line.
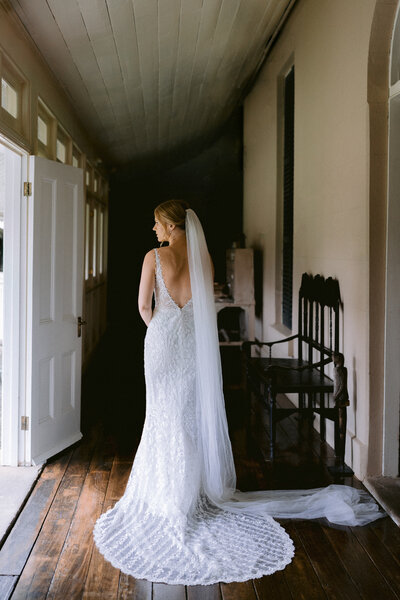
[[151, 78]]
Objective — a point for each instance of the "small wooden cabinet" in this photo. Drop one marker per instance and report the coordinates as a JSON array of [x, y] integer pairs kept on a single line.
[[240, 295]]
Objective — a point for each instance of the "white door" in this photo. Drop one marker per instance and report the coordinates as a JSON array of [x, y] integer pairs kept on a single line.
[[55, 226]]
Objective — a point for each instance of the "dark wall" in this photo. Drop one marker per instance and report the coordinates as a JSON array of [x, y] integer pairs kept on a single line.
[[212, 183]]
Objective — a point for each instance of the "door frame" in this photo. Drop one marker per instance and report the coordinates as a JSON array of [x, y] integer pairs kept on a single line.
[[13, 400], [391, 396]]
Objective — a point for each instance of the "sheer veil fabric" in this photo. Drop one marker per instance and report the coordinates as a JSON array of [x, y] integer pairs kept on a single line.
[[181, 519], [340, 504]]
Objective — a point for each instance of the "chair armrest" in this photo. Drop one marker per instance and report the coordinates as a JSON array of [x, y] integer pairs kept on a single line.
[[246, 346], [306, 367]]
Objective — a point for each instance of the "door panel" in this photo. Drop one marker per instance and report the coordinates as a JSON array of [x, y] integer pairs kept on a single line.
[[54, 304]]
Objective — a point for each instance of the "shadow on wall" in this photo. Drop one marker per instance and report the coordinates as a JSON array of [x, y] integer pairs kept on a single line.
[[212, 183]]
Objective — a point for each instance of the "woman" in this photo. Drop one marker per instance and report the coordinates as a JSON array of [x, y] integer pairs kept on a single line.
[[181, 519]]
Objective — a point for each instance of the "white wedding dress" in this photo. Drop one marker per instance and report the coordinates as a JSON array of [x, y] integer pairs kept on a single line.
[[165, 528]]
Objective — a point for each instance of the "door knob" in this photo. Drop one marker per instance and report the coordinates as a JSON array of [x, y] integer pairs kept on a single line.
[[80, 323]]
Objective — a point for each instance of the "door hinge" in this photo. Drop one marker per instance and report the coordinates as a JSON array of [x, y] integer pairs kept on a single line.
[[24, 423], [27, 188]]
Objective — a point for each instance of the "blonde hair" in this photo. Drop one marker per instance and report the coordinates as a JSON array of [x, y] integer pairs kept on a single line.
[[172, 212]]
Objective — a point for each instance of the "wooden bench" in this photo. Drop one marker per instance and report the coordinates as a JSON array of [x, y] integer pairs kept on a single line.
[[317, 346]]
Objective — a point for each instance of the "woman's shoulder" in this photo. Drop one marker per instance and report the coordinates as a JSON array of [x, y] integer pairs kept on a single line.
[[149, 257]]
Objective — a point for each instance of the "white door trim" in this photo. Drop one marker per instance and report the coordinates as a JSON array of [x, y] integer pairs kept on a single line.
[[13, 275], [390, 458]]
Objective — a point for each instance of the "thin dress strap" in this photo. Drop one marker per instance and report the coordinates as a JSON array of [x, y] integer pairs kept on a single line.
[[158, 264]]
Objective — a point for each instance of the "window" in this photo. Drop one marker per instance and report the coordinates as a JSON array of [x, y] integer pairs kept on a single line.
[[14, 97], [288, 180], [101, 241], [87, 240], [9, 98], [89, 177], [96, 184], [61, 151], [94, 243], [42, 131], [76, 156], [47, 137], [63, 146]]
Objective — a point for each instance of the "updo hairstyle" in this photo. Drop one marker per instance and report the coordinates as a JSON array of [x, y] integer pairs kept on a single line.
[[172, 212]]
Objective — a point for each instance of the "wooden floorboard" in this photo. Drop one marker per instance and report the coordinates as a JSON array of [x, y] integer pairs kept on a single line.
[[7, 584], [238, 591], [300, 576], [18, 545], [51, 553], [162, 591], [73, 565], [388, 534], [204, 592], [272, 587], [380, 556], [134, 589], [38, 573], [103, 579], [358, 564], [327, 564]]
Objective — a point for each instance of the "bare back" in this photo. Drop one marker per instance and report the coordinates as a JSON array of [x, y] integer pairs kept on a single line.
[[175, 271]]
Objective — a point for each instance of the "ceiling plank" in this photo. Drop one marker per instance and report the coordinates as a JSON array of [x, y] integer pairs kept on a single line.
[[97, 22], [208, 22], [146, 24], [169, 25], [73, 30], [124, 31], [187, 49], [44, 31], [228, 14]]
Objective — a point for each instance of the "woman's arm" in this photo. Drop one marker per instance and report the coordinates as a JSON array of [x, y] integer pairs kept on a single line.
[[146, 287], [212, 267]]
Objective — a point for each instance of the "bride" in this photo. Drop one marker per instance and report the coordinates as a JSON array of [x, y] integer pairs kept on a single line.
[[181, 519]]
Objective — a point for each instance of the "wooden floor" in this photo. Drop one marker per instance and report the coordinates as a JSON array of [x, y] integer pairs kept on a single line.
[[50, 553]]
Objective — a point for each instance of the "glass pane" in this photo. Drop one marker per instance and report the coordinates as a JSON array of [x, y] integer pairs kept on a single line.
[[95, 184], [42, 131], [87, 178], [9, 98], [61, 151], [101, 241], [75, 161], [94, 242], [87, 229]]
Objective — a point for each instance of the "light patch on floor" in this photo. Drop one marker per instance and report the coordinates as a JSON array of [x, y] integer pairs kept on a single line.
[[386, 490], [15, 485]]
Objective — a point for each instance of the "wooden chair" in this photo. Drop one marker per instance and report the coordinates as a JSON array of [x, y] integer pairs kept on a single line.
[[317, 341]]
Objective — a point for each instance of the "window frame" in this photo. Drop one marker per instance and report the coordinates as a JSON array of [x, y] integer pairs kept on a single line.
[[46, 150], [19, 125]]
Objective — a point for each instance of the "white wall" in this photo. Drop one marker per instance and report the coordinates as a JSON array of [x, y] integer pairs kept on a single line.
[[328, 43]]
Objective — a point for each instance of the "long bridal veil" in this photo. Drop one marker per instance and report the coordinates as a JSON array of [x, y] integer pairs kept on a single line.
[[340, 504]]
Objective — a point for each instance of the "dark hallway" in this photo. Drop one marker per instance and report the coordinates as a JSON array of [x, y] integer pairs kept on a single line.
[[277, 121]]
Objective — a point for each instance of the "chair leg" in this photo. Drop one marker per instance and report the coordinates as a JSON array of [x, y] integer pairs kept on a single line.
[[272, 423], [340, 443], [342, 422], [322, 423]]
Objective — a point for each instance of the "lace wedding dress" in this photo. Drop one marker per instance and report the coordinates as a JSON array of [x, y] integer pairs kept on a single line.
[[164, 528], [171, 525]]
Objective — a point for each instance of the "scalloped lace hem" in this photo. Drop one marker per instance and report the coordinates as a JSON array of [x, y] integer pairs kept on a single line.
[[214, 546]]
